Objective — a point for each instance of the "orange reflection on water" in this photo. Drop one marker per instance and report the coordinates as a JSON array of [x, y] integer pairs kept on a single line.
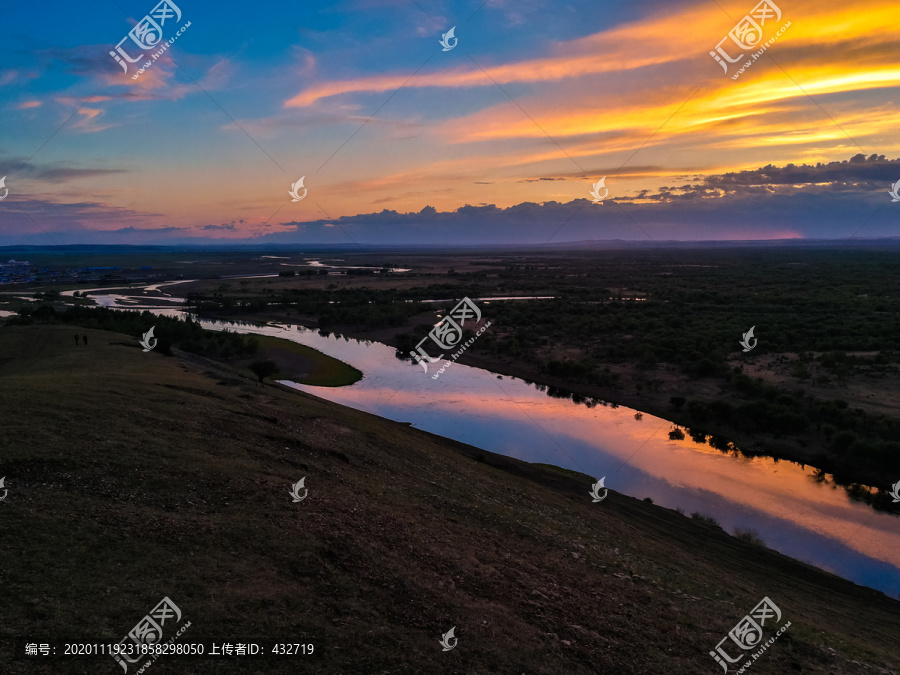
[[782, 490]]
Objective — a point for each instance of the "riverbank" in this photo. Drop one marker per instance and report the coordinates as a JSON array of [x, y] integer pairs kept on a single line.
[[134, 475], [657, 387], [645, 333], [299, 363], [639, 329], [806, 449]]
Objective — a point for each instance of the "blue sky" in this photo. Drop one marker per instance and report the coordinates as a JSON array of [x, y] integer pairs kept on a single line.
[[401, 142]]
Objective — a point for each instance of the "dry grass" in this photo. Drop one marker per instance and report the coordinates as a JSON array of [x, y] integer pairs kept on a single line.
[[133, 476]]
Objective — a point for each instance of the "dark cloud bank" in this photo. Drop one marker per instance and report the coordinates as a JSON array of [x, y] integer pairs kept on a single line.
[[826, 201], [838, 200]]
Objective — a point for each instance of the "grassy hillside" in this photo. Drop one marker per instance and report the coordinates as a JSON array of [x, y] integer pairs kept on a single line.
[[300, 363], [134, 476]]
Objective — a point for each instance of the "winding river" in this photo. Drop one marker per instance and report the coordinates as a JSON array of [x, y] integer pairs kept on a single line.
[[793, 511]]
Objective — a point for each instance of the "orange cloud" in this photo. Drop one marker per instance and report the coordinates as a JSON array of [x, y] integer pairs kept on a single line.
[[632, 46], [88, 122], [657, 41]]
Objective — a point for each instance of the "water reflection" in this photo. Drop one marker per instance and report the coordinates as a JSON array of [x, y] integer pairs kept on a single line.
[[796, 510], [876, 498], [791, 508]]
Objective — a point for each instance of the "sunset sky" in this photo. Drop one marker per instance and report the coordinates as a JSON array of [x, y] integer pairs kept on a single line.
[[497, 140]]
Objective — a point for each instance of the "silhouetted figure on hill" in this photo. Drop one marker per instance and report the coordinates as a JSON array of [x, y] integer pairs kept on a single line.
[[76, 339], [84, 337]]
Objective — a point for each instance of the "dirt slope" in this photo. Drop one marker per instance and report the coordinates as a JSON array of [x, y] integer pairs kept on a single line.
[[134, 476]]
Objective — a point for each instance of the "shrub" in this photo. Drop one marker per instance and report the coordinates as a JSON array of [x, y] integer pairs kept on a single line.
[[705, 520], [720, 443], [704, 368], [23, 320], [842, 441], [749, 535], [800, 371], [722, 411], [697, 435], [164, 345], [698, 410], [264, 368], [44, 312]]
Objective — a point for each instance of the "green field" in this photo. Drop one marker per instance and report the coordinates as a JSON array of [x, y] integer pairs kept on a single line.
[[304, 364]]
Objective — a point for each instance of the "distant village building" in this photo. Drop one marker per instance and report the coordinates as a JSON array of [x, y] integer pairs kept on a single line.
[[15, 271]]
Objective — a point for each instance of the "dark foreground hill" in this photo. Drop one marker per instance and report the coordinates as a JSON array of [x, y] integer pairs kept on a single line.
[[133, 476]]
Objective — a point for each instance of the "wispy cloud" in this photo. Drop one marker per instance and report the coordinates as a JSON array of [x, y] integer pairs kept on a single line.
[[56, 172], [629, 47], [89, 122]]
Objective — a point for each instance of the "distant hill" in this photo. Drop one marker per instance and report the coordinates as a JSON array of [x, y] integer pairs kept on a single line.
[[598, 244]]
